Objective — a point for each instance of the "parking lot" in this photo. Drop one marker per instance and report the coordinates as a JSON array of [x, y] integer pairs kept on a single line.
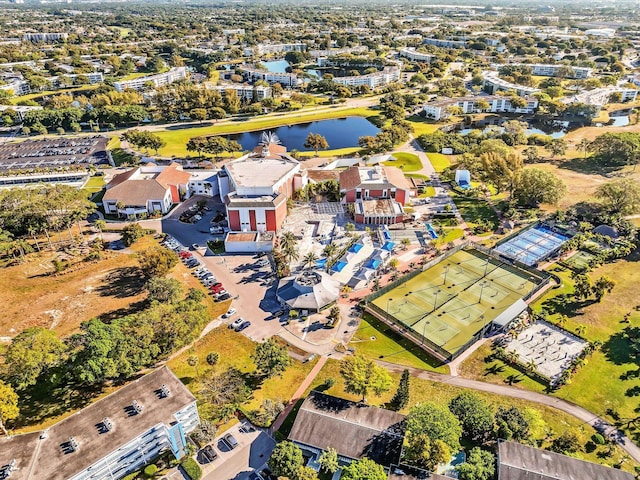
[[250, 455]]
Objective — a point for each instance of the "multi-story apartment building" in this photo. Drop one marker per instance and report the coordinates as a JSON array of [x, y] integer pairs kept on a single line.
[[337, 51], [46, 37], [158, 80], [254, 93], [416, 56], [285, 79], [110, 438], [492, 83], [270, 49], [497, 104], [17, 87], [551, 70], [373, 80], [444, 42]]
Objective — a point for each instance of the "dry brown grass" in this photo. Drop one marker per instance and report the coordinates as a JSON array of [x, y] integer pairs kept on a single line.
[[109, 288]]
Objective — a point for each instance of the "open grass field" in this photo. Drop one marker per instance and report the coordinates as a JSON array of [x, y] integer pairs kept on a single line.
[[554, 421], [475, 209], [602, 385], [337, 152], [439, 161], [450, 234], [94, 184], [177, 137], [453, 300], [407, 162], [235, 350], [422, 126]]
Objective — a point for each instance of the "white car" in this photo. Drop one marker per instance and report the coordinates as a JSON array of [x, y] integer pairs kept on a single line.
[[236, 323], [229, 313]]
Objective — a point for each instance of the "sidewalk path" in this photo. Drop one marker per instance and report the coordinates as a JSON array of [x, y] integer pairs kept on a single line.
[[296, 396], [572, 409]]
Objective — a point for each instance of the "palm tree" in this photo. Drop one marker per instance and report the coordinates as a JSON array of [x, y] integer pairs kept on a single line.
[[100, 225], [405, 243], [309, 259], [531, 366], [581, 329], [562, 320], [513, 356], [330, 250], [585, 146], [393, 264], [288, 246]]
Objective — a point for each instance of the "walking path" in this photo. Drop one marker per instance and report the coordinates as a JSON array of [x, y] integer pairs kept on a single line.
[[582, 414], [296, 396]]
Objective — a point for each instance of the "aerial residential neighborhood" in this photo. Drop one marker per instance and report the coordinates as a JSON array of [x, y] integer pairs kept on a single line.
[[331, 240]]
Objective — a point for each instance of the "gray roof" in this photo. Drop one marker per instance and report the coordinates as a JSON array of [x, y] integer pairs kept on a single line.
[[355, 430], [136, 192], [39, 459], [297, 294], [607, 231], [521, 462]]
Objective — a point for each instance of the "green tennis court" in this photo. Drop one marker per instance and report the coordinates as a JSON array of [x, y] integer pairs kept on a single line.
[[452, 301]]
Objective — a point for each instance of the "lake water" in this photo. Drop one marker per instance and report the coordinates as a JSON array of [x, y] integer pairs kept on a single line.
[[621, 121], [339, 132], [276, 66]]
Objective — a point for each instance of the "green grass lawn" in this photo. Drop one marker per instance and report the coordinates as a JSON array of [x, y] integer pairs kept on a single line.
[[439, 161], [474, 209], [338, 152], [428, 192], [235, 351], [450, 235], [555, 421], [94, 184], [407, 162], [176, 139], [601, 385], [390, 347], [422, 126], [37, 95]]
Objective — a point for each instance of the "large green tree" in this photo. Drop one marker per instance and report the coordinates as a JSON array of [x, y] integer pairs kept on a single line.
[[401, 397], [157, 261], [480, 465], [535, 186], [363, 469], [271, 358], [30, 354], [286, 459], [620, 196], [362, 376], [475, 415], [8, 405], [316, 142], [511, 424]]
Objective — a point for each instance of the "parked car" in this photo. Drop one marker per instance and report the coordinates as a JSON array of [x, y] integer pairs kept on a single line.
[[230, 441], [219, 293], [236, 323], [222, 298], [229, 313], [243, 325], [195, 246], [209, 453]]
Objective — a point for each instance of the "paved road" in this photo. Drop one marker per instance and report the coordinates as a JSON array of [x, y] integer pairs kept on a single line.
[[586, 416]]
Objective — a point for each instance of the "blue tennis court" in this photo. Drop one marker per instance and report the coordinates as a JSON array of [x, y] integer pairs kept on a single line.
[[533, 245]]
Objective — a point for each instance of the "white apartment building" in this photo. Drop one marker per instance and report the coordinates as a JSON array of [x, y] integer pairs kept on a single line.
[[255, 93], [551, 70], [17, 87], [602, 96], [271, 49], [110, 438], [497, 104], [333, 52], [44, 37], [492, 83], [443, 42], [416, 56], [285, 79], [373, 80], [159, 80]]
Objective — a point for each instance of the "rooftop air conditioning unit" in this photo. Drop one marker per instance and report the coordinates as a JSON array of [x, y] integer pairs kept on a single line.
[[165, 391]]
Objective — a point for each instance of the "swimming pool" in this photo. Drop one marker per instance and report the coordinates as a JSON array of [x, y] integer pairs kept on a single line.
[[339, 266]]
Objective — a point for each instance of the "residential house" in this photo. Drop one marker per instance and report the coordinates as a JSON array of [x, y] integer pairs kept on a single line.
[[146, 189], [354, 429]]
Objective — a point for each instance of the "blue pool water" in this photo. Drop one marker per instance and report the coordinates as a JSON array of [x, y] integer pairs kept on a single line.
[[388, 246], [431, 231], [321, 263]]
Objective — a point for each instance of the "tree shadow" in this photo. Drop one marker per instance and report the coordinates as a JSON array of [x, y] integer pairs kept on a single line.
[[590, 166], [494, 369], [122, 283]]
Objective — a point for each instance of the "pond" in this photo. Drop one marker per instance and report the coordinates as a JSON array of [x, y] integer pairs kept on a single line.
[[339, 132], [276, 66], [621, 121]]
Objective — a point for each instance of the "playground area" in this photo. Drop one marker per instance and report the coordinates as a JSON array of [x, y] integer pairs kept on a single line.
[[532, 245], [449, 303], [550, 348]]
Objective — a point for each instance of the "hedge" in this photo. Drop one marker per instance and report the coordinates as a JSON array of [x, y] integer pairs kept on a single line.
[[192, 469]]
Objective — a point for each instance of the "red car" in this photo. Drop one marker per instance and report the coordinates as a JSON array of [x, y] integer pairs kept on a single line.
[[216, 289], [185, 254]]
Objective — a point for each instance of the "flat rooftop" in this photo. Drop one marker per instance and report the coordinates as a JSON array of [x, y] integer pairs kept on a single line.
[[257, 171], [381, 206], [50, 459], [241, 237]]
